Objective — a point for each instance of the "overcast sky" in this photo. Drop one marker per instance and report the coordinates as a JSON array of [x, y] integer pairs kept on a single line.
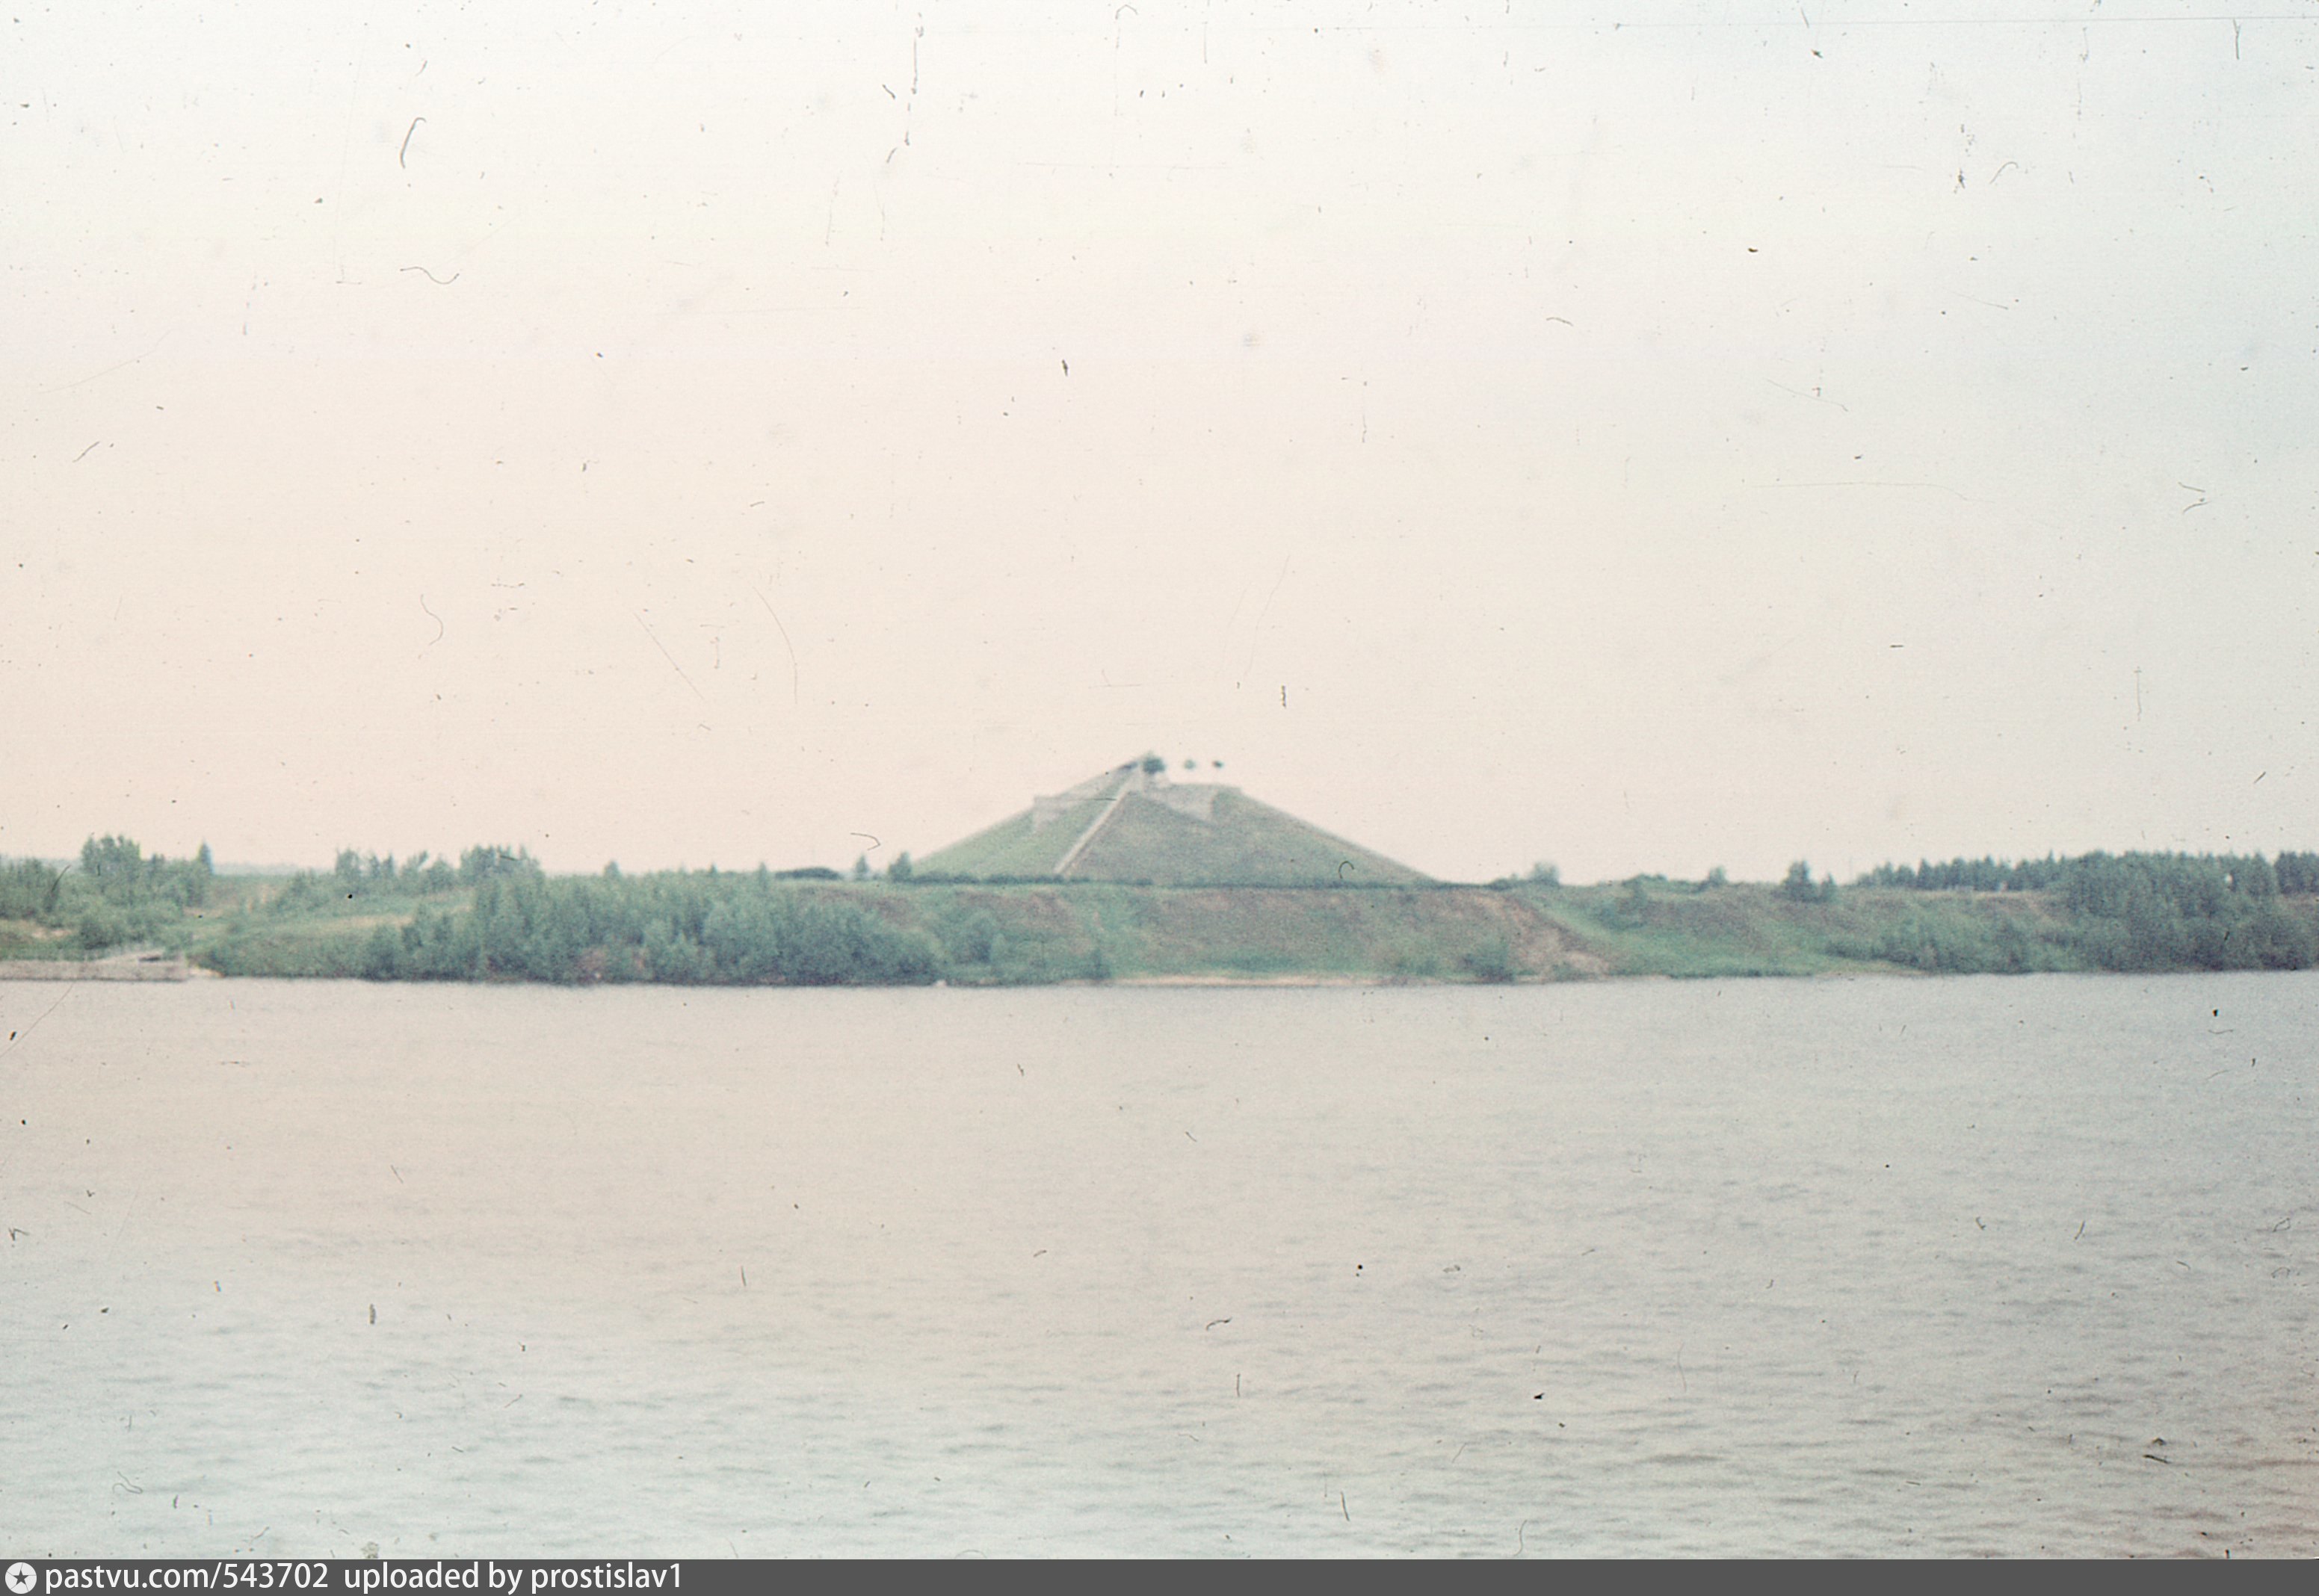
[[680, 434]]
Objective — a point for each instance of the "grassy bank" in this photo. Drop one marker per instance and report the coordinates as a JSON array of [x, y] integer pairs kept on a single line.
[[1033, 933], [742, 930], [497, 916], [1743, 929], [734, 930], [1661, 928]]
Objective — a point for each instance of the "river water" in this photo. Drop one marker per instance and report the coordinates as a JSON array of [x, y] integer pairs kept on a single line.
[[2007, 1264]]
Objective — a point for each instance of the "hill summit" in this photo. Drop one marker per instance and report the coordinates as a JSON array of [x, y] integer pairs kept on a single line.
[[1132, 823]]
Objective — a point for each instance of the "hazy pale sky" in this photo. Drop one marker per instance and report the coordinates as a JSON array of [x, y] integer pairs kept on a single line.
[[1638, 437]]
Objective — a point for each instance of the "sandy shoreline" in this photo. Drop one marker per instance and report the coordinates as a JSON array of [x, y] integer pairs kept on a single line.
[[143, 967], [1290, 979]]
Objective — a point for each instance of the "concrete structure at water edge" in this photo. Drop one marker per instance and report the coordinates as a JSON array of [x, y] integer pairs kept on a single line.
[[1132, 823]]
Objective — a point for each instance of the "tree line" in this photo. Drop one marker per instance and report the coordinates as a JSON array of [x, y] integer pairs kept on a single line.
[[117, 895], [354, 878], [693, 929], [2151, 910], [494, 914], [2292, 873]]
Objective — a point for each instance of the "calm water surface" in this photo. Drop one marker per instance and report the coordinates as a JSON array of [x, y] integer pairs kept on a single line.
[[1958, 1266]]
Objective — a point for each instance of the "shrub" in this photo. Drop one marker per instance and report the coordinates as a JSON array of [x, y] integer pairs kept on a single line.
[[102, 927], [1492, 962], [973, 939], [1419, 962], [491, 862], [382, 958]]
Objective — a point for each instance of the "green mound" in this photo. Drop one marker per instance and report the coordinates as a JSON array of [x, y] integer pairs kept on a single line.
[[1131, 826], [1013, 849], [1241, 843]]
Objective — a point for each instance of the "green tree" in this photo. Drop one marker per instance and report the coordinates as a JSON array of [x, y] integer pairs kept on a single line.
[[30, 890], [383, 956], [1634, 907], [481, 864], [2254, 877], [111, 858], [1798, 886]]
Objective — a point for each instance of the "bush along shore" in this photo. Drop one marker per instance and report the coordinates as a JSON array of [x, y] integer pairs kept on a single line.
[[494, 914]]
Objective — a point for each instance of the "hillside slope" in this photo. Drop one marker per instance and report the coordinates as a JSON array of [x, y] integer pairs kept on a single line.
[[1129, 825], [1243, 843]]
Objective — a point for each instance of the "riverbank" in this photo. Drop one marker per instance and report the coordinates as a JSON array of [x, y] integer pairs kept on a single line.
[[706, 929], [127, 967]]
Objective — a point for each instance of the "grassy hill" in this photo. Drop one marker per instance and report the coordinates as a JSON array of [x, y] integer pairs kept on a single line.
[[1244, 843], [1132, 826], [1014, 850]]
